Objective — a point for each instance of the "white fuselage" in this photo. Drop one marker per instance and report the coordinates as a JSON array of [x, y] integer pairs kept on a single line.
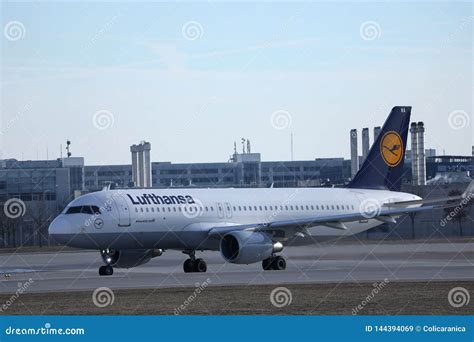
[[182, 218]]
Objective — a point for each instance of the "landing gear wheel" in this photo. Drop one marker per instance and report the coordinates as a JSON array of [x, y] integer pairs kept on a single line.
[[188, 266], [106, 270], [279, 263], [267, 264], [200, 266]]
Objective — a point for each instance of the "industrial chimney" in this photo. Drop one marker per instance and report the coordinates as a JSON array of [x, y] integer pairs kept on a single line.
[[414, 153], [354, 153], [421, 153], [141, 164], [365, 143]]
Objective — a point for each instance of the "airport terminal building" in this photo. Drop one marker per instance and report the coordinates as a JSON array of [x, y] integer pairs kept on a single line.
[[47, 186]]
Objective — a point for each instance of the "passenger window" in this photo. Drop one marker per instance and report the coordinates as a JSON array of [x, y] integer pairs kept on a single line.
[[312, 207], [233, 208], [146, 209], [157, 209], [286, 207], [271, 207], [250, 208], [169, 209], [141, 209], [265, 207], [337, 207], [245, 208], [240, 208], [136, 210], [291, 207], [174, 209], [255, 207]]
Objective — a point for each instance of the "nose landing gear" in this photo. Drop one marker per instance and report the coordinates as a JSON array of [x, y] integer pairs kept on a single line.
[[108, 257], [192, 264], [106, 270]]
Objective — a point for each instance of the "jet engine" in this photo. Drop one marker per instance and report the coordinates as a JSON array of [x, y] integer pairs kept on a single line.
[[246, 247], [128, 258]]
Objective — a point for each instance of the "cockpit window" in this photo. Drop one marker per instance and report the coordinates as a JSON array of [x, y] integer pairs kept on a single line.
[[95, 209], [86, 210], [83, 209]]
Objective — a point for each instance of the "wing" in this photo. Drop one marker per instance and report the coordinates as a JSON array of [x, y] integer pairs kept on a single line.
[[387, 214]]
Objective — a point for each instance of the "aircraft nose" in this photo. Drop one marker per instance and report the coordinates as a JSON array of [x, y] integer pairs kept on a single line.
[[59, 227]]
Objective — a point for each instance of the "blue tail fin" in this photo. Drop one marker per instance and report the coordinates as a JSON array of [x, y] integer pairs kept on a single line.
[[383, 167]]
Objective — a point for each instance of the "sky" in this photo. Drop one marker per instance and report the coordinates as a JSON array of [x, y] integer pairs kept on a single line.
[[192, 78]]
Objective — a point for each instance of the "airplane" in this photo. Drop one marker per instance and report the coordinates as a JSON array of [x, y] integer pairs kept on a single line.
[[131, 226]]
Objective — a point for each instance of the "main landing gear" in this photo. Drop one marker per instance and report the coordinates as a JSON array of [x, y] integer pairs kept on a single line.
[[276, 263], [192, 264]]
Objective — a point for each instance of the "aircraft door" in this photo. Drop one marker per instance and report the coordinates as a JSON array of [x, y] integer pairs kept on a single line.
[[228, 210], [220, 210], [123, 211]]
